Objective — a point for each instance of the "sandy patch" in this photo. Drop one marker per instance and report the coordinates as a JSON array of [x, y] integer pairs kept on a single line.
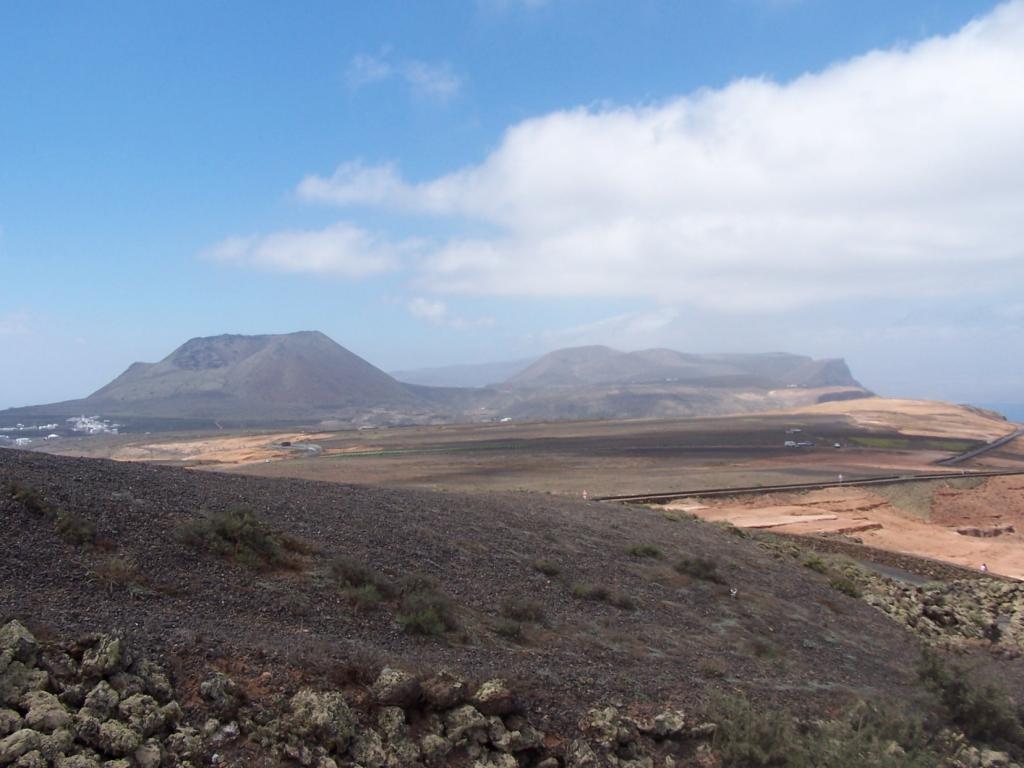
[[223, 451], [879, 522], [917, 417]]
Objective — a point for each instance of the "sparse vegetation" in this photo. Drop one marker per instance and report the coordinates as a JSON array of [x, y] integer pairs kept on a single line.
[[28, 497], [547, 567], [645, 550], [425, 611], [845, 584], [117, 574], [70, 526], [75, 529], [983, 711], [365, 596], [602, 594], [510, 630], [524, 609], [699, 568], [353, 575], [712, 667], [240, 535], [865, 736], [596, 592], [815, 563]]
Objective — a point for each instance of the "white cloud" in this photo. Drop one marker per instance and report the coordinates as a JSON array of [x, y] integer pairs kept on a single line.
[[428, 309], [365, 69], [631, 330], [889, 175], [436, 81], [14, 324], [341, 249], [436, 312]]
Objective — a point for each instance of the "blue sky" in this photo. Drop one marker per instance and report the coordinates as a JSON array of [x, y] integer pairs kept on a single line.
[[449, 182]]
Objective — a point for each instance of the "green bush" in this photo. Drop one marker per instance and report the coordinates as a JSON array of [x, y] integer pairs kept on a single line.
[[511, 630], [352, 574], [596, 592], [75, 529], [116, 574], [602, 594], [524, 609], [699, 568], [426, 612], [865, 736], [645, 550], [983, 711], [238, 534], [28, 497], [815, 563], [845, 585], [547, 567], [365, 596]]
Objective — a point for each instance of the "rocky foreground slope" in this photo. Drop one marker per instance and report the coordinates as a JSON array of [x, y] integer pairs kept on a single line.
[[317, 624]]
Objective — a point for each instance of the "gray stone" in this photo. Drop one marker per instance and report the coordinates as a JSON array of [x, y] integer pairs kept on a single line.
[[74, 695], [57, 744], [435, 750], [32, 759], [579, 754], [223, 695], [14, 637], [391, 721], [117, 739], [142, 713], [670, 724], [444, 691], [368, 750], [126, 684], [156, 682], [17, 744], [87, 727], [396, 688], [465, 722], [993, 759], [106, 657], [59, 664], [102, 701], [77, 761], [44, 712], [19, 679], [494, 697], [149, 755], [10, 721], [323, 716], [185, 743]]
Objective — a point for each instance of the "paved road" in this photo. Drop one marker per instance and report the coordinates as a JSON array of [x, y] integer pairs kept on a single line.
[[662, 498], [953, 460]]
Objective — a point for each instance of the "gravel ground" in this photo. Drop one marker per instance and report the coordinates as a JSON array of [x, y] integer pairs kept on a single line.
[[785, 637]]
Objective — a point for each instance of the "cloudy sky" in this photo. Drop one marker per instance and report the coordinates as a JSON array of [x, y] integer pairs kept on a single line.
[[453, 182]]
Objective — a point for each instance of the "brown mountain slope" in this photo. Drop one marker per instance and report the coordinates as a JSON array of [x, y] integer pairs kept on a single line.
[[305, 369], [659, 636], [597, 365]]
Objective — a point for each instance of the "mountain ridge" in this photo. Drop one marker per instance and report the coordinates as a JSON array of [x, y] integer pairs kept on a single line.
[[306, 377]]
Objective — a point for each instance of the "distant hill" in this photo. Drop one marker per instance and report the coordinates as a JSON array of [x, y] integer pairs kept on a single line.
[[598, 365], [295, 376], [306, 378]]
